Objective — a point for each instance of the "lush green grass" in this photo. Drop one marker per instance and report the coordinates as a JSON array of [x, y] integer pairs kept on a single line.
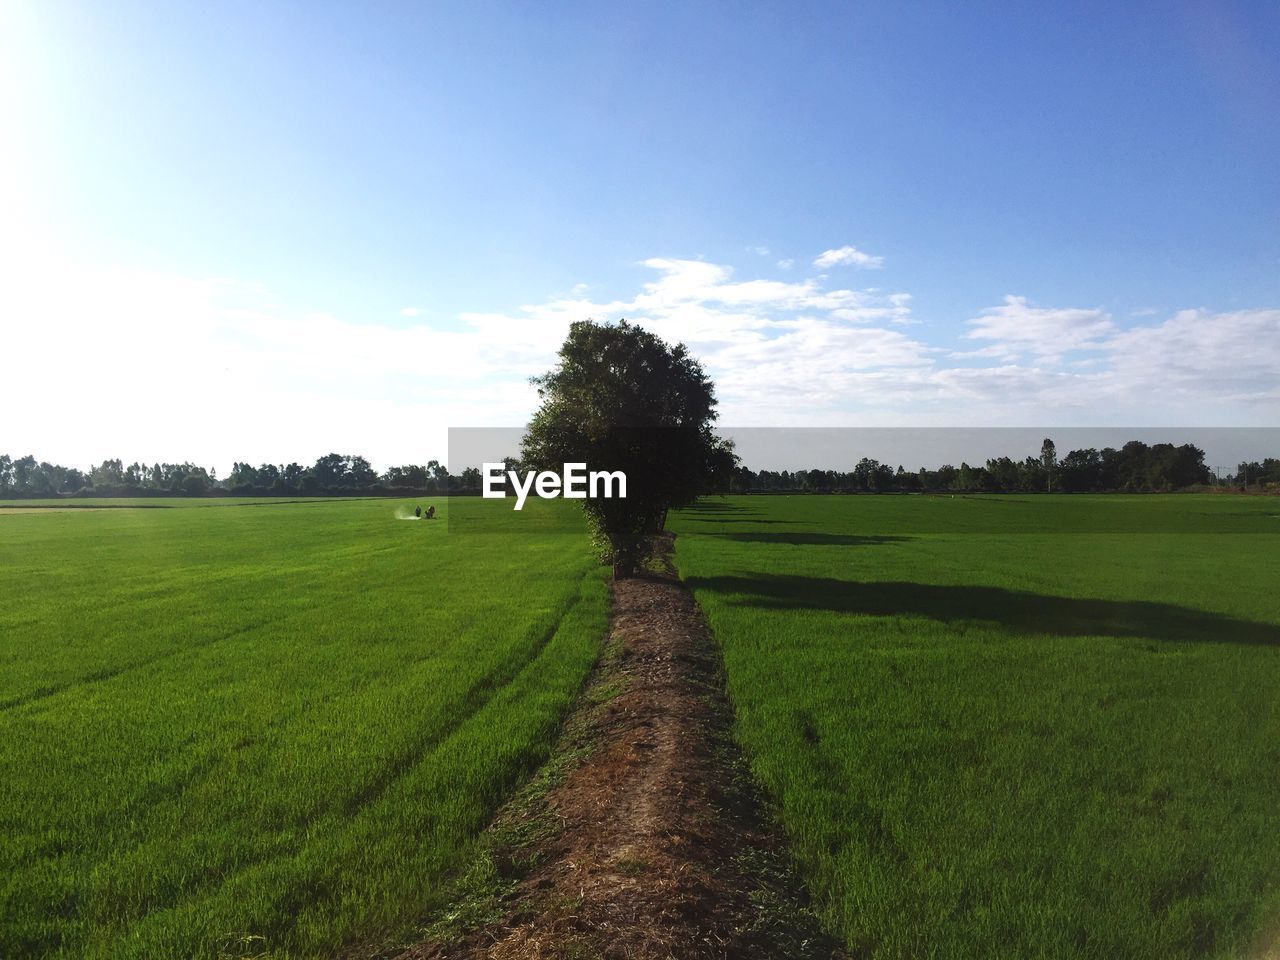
[[222, 721], [995, 727]]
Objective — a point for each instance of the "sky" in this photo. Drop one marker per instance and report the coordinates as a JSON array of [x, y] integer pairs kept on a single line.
[[263, 232]]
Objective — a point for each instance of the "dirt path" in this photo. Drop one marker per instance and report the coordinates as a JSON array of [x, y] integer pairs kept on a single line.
[[656, 846]]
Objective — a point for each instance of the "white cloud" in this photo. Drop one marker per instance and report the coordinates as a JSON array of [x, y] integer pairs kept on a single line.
[[1194, 367], [131, 364], [1017, 328], [847, 257], [143, 365], [1232, 357], [410, 311], [786, 264]]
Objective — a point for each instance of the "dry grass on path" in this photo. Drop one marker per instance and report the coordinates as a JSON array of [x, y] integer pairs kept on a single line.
[[657, 846]]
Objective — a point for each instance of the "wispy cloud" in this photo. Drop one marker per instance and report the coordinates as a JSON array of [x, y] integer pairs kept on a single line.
[[847, 257], [1017, 328], [1229, 357], [97, 346]]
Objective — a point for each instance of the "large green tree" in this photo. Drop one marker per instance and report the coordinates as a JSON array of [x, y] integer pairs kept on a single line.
[[620, 398]]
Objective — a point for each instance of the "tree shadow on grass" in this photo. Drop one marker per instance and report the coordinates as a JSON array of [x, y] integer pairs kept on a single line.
[[1024, 612], [809, 539], [715, 506], [751, 520], [722, 511]]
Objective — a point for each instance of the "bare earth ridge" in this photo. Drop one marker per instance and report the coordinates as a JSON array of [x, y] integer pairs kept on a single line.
[[660, 848]]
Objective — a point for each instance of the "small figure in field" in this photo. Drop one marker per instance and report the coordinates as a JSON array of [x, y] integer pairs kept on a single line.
[[417, 512], [431, 513]]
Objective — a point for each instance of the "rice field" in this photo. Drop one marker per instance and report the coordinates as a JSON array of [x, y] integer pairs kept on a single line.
[[990, 726], [1002, 726], [233, 729]]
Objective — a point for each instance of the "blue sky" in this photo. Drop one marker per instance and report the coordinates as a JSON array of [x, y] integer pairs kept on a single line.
[[373, 214]]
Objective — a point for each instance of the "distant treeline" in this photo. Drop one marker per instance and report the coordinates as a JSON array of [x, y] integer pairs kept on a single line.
[[1134, 468], [333, 475]]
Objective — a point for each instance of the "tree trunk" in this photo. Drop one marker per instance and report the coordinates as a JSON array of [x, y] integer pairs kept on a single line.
[[659, 523]]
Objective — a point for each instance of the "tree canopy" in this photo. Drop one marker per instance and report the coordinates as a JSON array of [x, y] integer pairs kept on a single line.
[[620, 398]]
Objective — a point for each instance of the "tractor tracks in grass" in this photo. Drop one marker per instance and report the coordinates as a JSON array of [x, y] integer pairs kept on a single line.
[[644, 837], [472, 701]]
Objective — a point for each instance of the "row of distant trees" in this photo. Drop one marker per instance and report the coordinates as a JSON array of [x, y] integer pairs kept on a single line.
[[334, 474], [1135, 467]]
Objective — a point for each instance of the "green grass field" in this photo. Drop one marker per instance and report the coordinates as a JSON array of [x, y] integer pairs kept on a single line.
[[1011, 727], [287, 720], [992, 726]]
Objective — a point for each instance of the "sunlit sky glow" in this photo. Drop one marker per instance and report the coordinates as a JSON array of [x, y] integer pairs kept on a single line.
[[267, 231]]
